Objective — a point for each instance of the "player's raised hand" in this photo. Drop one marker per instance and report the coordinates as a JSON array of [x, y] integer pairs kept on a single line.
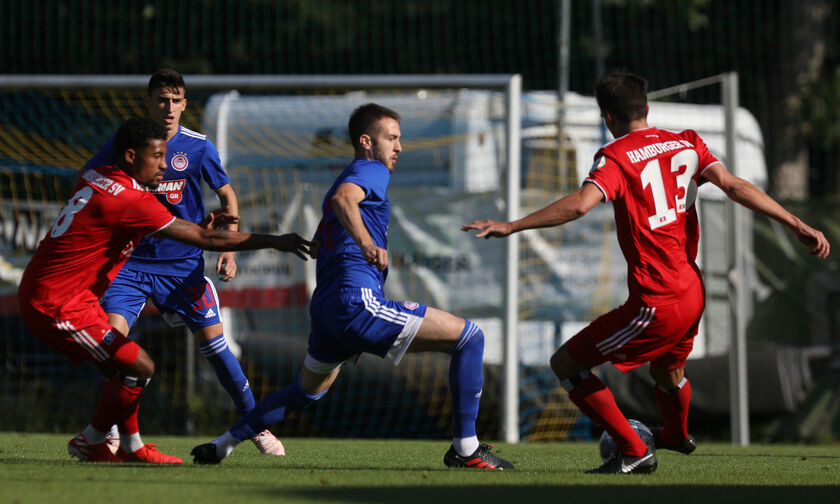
[[489, 228], [219, 217], [814, 239], [294, 243]]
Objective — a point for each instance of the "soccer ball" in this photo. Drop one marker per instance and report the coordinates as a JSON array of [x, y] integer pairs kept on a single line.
[[608, 448]]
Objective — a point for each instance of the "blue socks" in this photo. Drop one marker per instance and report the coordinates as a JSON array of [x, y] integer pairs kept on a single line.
[[273, 409], [465, 382], [229, 372], [465, 379]]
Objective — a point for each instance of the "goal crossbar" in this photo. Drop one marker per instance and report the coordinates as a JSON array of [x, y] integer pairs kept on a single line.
[[404, 81]]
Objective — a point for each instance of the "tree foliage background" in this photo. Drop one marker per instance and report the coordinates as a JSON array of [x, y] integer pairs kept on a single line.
[[787, 52]]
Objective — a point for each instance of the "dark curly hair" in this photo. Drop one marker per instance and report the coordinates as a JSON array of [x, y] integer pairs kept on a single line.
[[136, 133]]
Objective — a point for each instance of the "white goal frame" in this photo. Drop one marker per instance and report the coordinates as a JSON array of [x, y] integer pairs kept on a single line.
[[509, 84]]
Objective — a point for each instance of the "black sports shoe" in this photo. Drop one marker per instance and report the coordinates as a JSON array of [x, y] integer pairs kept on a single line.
[[480, 459], [685, 446], [205, 454], [626, 464]]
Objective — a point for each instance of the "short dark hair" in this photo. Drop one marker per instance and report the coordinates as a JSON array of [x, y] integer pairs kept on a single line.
[[364, 118], [624, 95], [136, 133], [165, 78]]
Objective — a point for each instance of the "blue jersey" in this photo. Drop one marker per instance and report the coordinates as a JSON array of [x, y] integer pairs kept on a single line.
[[340, 262], [190, 157]]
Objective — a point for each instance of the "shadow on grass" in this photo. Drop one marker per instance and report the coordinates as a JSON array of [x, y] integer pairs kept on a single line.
[[570, 494], [762, 455], [26, 461]]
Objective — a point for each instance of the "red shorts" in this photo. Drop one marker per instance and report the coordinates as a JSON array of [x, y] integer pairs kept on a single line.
[[635, 333], [86, 336]]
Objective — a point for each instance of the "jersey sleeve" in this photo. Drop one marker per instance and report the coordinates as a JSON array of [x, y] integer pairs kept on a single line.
[[706, 158], [211, 167], [373, 177], [607, 176], [105, 156], [147, 214]]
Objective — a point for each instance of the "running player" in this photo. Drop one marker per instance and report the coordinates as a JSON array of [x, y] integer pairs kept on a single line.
[[350, 314], [651, 176], [110, 211], [171, 273]]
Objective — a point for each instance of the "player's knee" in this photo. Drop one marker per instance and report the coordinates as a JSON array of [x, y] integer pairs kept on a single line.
[[311, 396], [143, 366], [129, 357], [563, 365], [476, 339], [472, 338], [573, 381], [667, 378]]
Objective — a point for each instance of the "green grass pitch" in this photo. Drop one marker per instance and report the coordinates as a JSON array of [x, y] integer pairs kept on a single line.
[[36, 468]]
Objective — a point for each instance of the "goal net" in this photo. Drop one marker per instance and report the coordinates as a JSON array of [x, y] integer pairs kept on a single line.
[[282, 141]]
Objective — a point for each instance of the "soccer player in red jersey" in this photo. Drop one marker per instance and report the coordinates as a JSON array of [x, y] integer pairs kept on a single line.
[[651, 176], [93, 235]]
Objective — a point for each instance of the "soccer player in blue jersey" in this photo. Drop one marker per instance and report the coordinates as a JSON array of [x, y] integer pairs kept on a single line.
[[172, 273], [349, 312]]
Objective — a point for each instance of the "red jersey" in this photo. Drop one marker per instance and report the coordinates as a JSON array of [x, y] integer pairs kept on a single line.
[[89, 241], [651, 176]]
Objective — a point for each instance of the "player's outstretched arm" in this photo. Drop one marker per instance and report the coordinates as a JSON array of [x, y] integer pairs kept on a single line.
[[222, 239], [744, 193], [566, 209]]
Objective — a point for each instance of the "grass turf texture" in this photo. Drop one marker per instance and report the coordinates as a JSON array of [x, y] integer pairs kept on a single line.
[[36, 468]]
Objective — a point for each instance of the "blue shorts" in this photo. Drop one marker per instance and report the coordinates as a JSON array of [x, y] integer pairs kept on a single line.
[[356, 320], [193, 298]]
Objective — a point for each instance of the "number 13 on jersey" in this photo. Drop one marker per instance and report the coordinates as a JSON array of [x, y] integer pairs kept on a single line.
[[684, 164]]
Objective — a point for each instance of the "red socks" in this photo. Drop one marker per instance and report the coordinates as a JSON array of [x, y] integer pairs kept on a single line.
[[119, 405], [673, 405], [597, 402]]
